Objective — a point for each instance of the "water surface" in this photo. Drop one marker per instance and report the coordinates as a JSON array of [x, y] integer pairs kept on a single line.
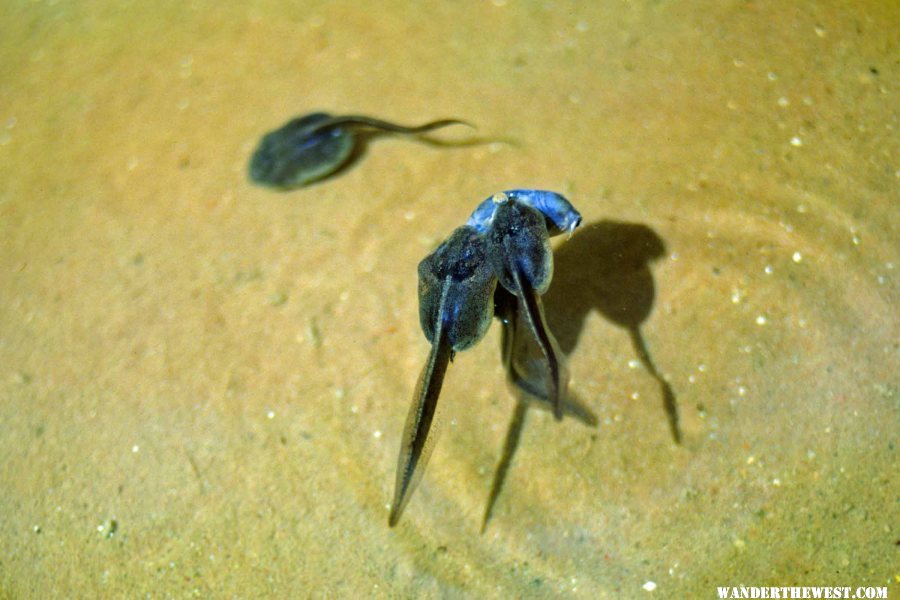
[[204, 382]]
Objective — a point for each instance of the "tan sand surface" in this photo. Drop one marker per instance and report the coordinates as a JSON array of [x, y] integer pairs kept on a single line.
[[203, 382]]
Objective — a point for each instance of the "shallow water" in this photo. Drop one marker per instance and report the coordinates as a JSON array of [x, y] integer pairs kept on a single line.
[[204, 382]]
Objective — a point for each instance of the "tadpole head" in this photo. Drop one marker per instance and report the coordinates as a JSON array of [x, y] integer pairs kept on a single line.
[[299, 152], [456, 287], [518, 248], [264, 163]]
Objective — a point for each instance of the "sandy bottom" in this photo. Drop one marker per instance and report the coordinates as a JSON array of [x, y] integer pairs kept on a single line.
[[203, 382]]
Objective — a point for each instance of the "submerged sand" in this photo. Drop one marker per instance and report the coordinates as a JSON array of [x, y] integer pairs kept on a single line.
[[204, 382]]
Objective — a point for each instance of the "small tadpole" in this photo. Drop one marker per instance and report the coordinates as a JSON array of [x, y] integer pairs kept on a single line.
[[318, 145]]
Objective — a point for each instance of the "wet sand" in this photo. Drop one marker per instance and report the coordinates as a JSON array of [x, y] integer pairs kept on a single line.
[[204, 382]]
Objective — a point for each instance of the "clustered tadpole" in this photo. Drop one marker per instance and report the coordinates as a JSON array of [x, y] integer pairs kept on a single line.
[[505, 241]]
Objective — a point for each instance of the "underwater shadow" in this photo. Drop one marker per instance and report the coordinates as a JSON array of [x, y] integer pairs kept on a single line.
[[572, 407], [605, 267]]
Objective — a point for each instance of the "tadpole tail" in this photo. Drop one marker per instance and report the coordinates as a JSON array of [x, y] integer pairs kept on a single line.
[[531, 305], [505, 311], [388, 126], [418, 439]]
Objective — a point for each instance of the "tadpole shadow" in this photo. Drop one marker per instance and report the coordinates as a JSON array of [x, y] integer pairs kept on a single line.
[[605, 267]]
